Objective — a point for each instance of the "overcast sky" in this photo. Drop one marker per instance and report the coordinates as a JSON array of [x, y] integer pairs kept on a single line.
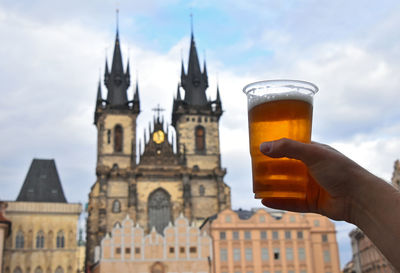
[[52, 55]]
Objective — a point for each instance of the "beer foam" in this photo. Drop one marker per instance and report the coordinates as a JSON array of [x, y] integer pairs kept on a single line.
[[254, 100]]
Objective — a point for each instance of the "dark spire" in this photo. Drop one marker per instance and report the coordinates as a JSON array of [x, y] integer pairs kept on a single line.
[[106, 73], [117, 82], [42, 183], [205, 71], [99, 98], [194, 82], [127, 69], [136, 95], [183, 75], [218, 96], [178, 95]]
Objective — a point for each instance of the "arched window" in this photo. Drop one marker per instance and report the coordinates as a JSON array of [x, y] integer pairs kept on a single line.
[[60, 240], [157, 267], [118, 134], [19, 240], [202, 190], [40, 239], [159, 204], [38, 270], [59, 270], [200, 138], [116, 206], [17, 270]]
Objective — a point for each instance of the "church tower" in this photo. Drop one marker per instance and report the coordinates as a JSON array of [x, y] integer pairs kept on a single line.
[[173, 176], [196, 121], [115, 120]]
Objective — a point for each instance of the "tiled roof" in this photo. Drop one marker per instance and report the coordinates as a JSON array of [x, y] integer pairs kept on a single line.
[[42, 183]]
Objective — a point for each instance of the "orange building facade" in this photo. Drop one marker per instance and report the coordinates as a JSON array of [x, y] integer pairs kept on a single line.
[[181, 248], [366, 256], [272, 242]]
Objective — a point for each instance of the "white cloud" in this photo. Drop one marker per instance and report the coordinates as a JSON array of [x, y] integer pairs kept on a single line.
[[52, 56]]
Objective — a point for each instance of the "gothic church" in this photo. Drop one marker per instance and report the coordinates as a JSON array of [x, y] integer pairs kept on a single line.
[[159, 183]]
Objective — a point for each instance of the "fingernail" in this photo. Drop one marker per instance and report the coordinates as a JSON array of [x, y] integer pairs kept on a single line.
[[265, 147]]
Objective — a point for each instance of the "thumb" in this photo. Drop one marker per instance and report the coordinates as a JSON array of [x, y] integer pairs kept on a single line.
[[289, 148]]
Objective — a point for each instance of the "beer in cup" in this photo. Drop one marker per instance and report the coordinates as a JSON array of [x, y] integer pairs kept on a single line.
[[279, 109]]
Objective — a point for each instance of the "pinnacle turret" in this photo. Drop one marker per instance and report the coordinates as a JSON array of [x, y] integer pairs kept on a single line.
[[116, 81], [194, 82], [99, 98]]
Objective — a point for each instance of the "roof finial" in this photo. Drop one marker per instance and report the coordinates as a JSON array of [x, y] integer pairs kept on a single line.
[[117, 20], [191, 21], [158, 109]]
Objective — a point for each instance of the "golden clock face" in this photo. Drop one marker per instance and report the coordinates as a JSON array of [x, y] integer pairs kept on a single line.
[[158, 137]]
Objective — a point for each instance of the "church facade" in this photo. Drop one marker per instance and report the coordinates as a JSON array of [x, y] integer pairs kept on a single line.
[[154, 184]]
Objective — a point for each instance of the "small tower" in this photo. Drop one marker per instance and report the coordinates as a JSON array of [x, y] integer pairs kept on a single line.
[[195, 118], [115, 119], [196, 121]]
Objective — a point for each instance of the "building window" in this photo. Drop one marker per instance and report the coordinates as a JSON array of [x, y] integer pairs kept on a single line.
[[38, 270], [299, 234], [324, 238], [327, 256], [202, 190], [222, 235], [59, 270], [248, 253], [19, 240], [118, 250], [316, 223], [235, 235], [171, 250], [228, 219], [159, 209], [263, 235], [200, 136], [116, 206], [262, 218], [276, 253], [192, 249], [127, 250], [60, 239], [224, 254], [40, 239], [137, 250], [292, 219], [118, 136], [236, 254], [289, 254], [247, 235], [288, 235], [108, 136], [264, 254], [275, 235], [182, 249], [302, 254]]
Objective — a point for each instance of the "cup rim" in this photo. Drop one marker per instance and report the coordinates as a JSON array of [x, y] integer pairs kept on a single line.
[[281, 83]]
